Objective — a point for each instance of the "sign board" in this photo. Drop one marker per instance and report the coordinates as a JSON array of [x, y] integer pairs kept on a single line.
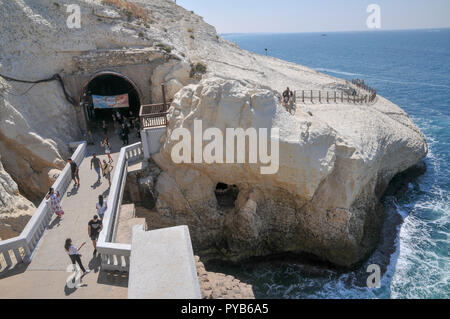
[[110, 102]]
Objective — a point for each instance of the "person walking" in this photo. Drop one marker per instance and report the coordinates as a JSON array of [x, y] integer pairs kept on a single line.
[[55, 202], [137, 125], [107, 147], [118, 117], [287, 96], [74, 254], [124, 134], [74, 170], [101, 207], [105, 128], [107, 168], [95, 161], [95, 226]]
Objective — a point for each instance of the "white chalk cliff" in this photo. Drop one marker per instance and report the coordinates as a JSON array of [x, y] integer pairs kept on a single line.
[[335, 159]]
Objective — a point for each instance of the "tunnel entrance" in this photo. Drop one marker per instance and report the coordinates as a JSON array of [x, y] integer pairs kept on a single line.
[[107, 93]]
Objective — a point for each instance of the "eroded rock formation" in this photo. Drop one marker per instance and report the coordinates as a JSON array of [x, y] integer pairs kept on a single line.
[[335, 163], [335, 160]]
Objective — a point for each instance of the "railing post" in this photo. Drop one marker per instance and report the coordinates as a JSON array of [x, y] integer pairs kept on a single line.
[[7, 259], [320, 97], [303, 96], [334, 96], [328, 100], [163, 96], [17, 255], [311, 96], [342, 97]]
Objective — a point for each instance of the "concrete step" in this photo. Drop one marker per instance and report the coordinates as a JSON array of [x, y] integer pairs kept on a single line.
[[126, 222], [162, 265]]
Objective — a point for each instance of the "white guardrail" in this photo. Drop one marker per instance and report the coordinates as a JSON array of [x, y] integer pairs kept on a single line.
[[22, 246], [116, 256]]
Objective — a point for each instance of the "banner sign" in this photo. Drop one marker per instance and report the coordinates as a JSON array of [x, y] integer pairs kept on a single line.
[[110, 102]]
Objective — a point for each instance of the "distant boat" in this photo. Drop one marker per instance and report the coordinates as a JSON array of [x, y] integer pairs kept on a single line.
[[324, 35]]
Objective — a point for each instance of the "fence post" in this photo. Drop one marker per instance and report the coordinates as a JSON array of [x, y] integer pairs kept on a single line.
[[320, 98], [311, 96], [342, 97], [303, 96], [328, 100], [163, 96]]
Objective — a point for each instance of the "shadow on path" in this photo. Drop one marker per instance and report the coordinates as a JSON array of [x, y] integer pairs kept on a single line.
[[73, 191], [113, 278], [16, 270], [96, 184], [55, 222], [95, 263]]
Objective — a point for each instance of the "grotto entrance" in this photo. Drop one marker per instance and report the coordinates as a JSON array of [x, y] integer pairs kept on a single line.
[[226, 195], [108, 93]]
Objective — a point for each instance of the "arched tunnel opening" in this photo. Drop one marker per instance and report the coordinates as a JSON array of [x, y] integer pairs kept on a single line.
[[107, 95]]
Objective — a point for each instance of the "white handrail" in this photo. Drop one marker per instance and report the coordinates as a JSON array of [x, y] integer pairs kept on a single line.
[[116, 256], [30, 235]]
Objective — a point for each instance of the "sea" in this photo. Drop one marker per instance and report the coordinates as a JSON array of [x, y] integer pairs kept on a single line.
[[412, 69]]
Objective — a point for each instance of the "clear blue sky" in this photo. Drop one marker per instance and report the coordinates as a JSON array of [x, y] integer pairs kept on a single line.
[[229, 16]]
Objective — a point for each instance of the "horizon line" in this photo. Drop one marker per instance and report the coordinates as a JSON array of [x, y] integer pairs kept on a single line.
[[335, 31]]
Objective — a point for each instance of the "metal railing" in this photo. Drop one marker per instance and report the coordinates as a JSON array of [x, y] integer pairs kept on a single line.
[[116, 256], [21, 248], [318, 96], [362, 85], [153, 115]]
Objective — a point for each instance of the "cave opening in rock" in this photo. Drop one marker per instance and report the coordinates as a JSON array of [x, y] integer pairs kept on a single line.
[[226, 194], [118, 94]]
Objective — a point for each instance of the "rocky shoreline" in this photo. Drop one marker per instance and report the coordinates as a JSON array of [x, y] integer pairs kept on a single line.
[[214, 285]]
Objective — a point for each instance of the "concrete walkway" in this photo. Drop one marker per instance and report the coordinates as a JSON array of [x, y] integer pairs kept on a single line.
[[45, 276]]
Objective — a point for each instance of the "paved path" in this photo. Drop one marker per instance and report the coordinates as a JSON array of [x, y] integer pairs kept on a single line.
[[46, 275]]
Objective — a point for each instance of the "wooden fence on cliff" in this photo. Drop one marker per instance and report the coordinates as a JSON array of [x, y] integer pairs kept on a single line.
[[366, 94]]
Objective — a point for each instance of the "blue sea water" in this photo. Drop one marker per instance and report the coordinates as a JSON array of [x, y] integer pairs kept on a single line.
[[412, 69]]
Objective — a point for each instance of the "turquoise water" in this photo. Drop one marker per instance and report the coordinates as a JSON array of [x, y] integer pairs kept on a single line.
[[412, 69]]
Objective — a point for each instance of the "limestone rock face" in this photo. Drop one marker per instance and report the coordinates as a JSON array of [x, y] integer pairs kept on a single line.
[[334, 164], [13, 207], [175, 75], [27, 154], [335, 160]]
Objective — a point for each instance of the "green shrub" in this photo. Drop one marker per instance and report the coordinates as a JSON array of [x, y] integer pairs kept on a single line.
[[198, 68]]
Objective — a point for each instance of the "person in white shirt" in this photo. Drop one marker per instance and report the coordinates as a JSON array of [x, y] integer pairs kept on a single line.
[[101, 207], [74, 254]]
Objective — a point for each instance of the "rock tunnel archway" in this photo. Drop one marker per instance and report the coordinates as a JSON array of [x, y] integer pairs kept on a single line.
[[108, 83]]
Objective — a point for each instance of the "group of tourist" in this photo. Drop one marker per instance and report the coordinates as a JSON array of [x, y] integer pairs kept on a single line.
[[95, 225], [288, 100], [288, 96], [123, 125]]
